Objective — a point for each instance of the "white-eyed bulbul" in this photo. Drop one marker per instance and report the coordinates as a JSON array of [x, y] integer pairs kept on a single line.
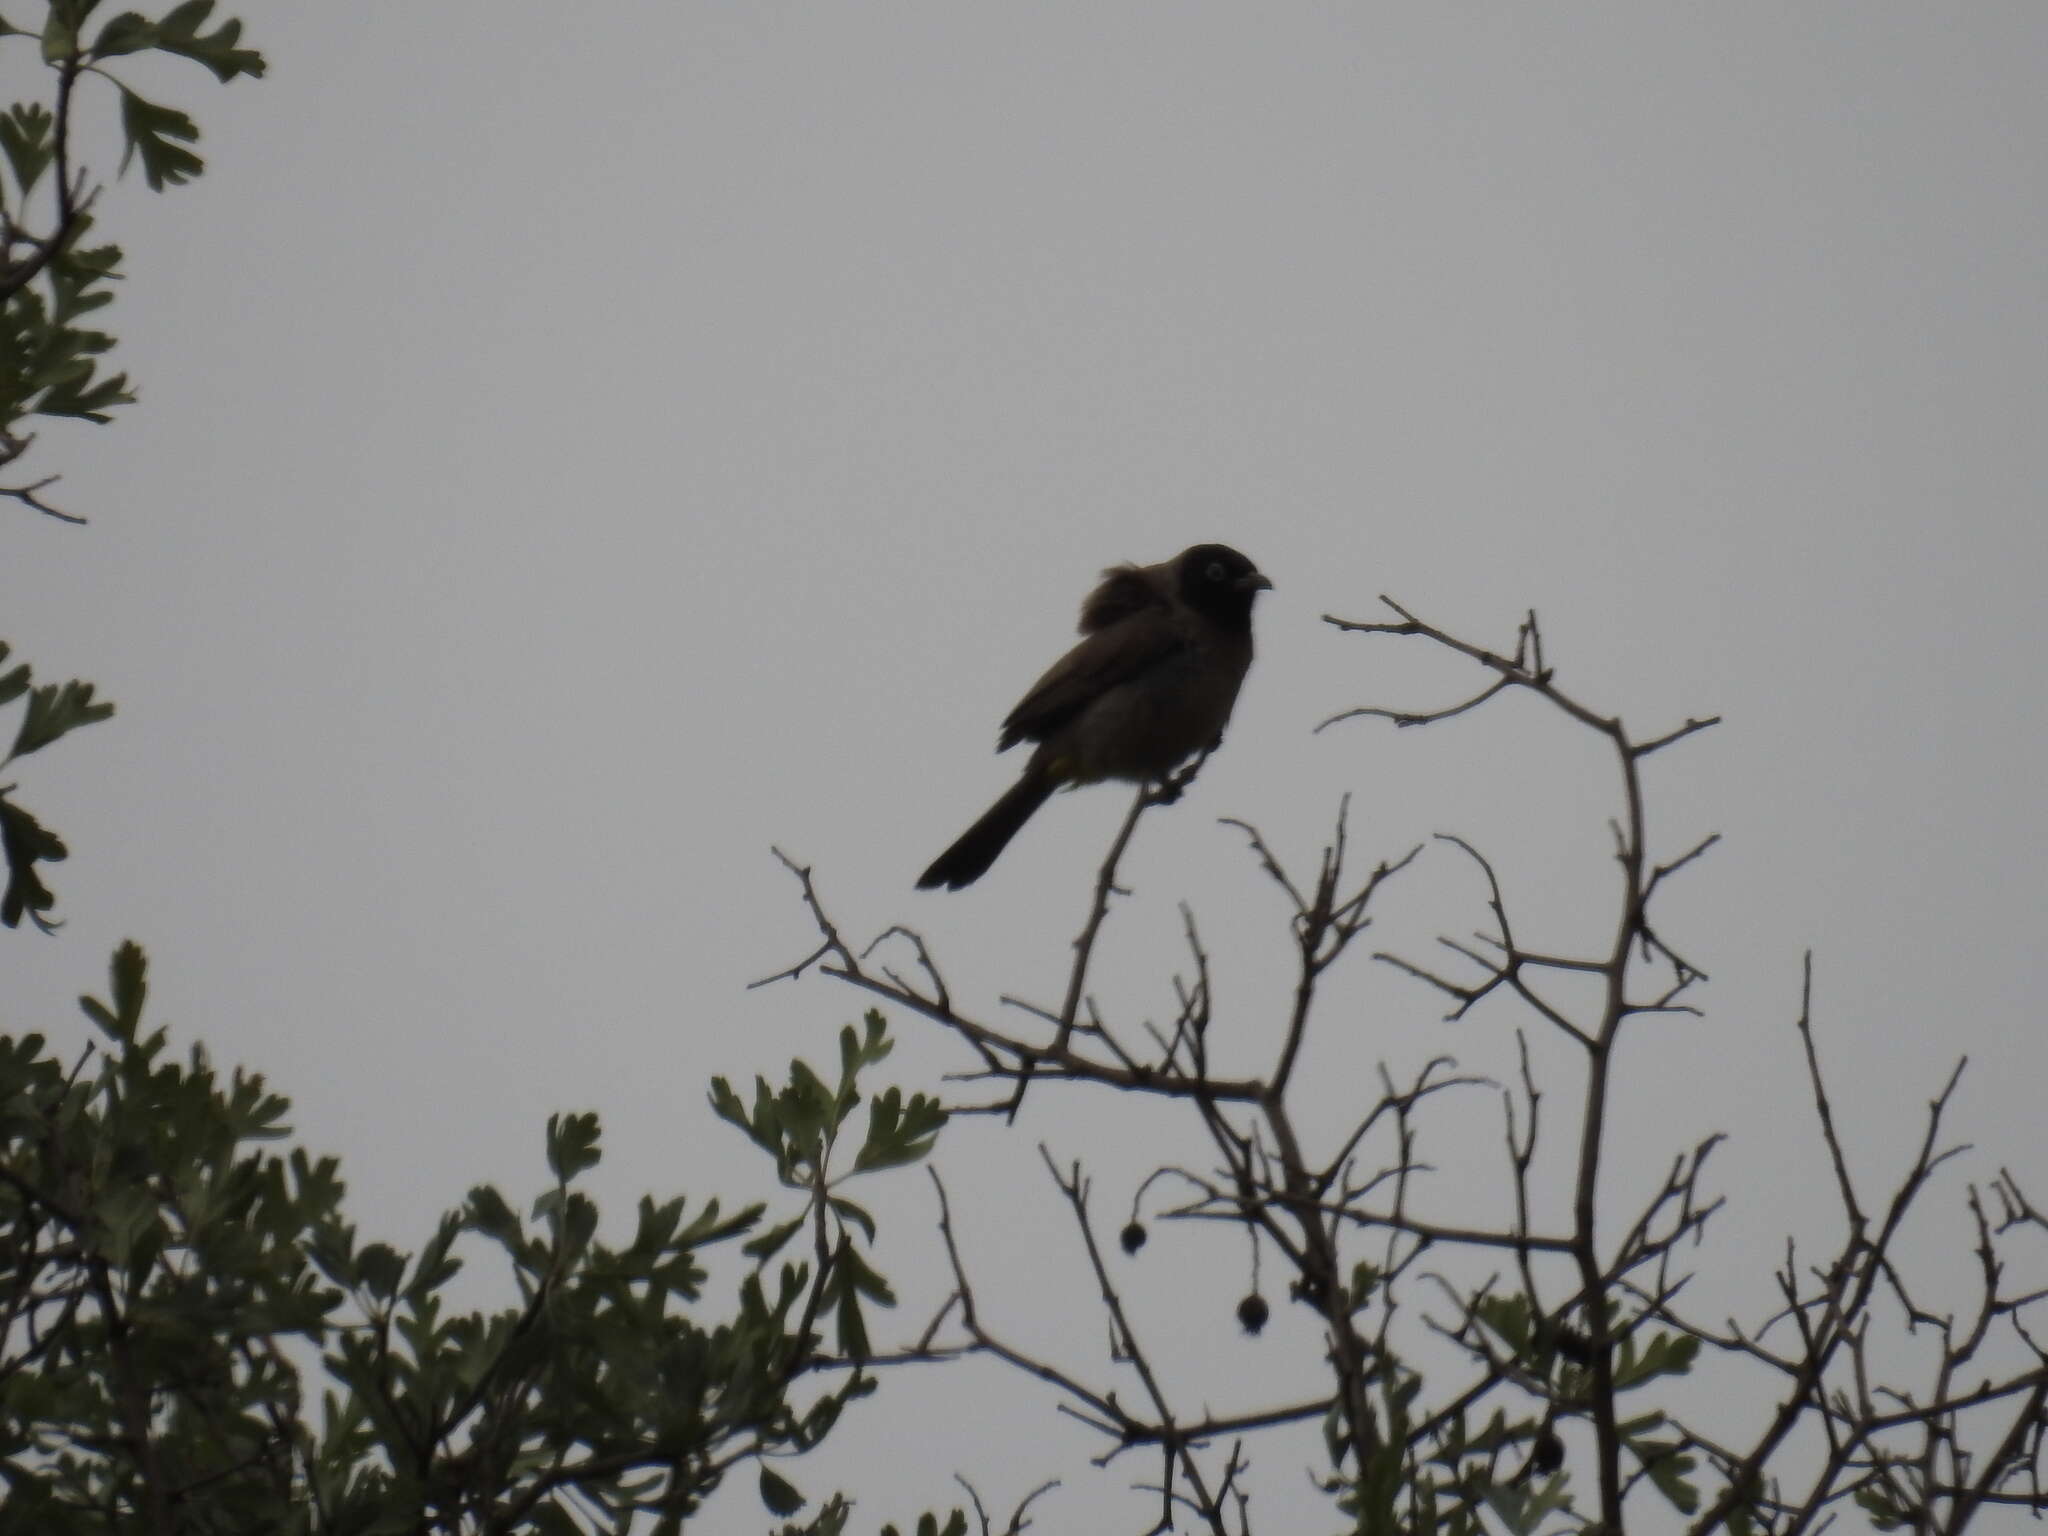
[[1151, 684]]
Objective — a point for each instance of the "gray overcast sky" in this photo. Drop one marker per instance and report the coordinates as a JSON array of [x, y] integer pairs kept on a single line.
[[582, 446]]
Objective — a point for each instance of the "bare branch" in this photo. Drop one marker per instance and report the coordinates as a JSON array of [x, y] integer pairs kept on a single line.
[[28, 497]]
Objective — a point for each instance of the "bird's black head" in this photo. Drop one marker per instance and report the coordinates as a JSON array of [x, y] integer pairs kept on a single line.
[[1216, 580]]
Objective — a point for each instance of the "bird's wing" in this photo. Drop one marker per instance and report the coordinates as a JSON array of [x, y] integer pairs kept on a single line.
[[1124, 650], [1125, 590]]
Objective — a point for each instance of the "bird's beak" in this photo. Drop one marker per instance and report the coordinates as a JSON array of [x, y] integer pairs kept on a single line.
[[1254, 582]]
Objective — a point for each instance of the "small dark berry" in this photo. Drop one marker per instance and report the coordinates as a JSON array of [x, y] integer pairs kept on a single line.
[[1547, 1454], [1133, 1237], [1575, 1346], [1252, 1313]]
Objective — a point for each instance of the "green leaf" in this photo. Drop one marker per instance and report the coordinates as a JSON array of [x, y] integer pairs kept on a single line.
[[1668, 1466], [488, 1213], [94, 260], [435, 1266], [13, 684], [856, 1053], [179, 33], [124, 1213], [25, 140], [710, 1227], [877, 1045], [128, 975], [572, 1145], [1666, 1354], [848, 1211], [26, 842], [771, 1242], [807, 1106], [332, 1249], [60, 31], [779, 1494], [126, 33], [151, 130], [830, 1520], [1884, 1514], [380, 1268], [54, 709], [856, 1273], [1508, 1316], [1365, 1280], [899, 1133], [762, 1127], [578, 1223], [657, 1226], [853, 1327], [1523, 1510], [79, 396]]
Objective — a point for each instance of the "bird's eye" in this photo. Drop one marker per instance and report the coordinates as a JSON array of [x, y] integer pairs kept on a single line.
[[1216, 573]]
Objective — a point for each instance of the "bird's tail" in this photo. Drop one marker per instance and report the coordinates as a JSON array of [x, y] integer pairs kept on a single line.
[[970, 856]]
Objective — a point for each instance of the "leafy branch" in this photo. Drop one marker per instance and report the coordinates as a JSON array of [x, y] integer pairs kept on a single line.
[[50, 279], [169, 1277], [53, 710]]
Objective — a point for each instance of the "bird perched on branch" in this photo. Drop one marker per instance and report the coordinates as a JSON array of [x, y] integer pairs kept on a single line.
[[1152, 683]]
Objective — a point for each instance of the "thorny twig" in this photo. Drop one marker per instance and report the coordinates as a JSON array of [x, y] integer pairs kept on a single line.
[[1588, 1301]]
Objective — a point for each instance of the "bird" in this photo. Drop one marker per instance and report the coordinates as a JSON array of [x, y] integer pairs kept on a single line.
[[1163, 652]]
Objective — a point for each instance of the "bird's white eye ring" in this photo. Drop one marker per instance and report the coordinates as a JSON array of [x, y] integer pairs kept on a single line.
[[1216, 571]]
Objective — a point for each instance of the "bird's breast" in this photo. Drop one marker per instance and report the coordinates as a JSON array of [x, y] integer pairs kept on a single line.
[[1144, 727]]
